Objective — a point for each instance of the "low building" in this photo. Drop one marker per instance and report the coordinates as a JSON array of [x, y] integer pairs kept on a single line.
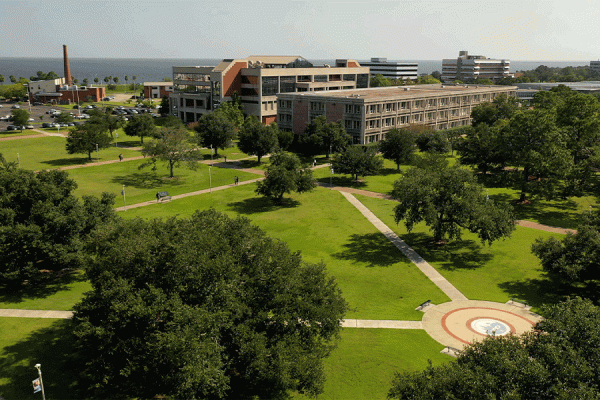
[[595, 66], [57, 91], [526, 91], [257, 80], [368, 114], [157, 90], [468, 67], [392, 69]]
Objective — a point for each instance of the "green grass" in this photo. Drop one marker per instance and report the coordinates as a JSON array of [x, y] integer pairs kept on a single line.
[[60, 294], [364, 363], [25, 342], [506, 269], [375, 278], [9, 134], [49, 152], [142, 185]]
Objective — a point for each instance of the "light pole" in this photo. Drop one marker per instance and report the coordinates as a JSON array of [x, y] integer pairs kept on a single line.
[[39, 368], [210, 179], [18, 160], [96, 149], [123, 193], [331, 176]]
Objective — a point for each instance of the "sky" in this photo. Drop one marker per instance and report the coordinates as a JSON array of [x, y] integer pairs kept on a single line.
[[536, 30]]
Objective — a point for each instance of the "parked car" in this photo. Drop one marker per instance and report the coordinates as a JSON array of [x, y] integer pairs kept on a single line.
[[11, 128], [5, 118], [46, 125], [31, 120], [38, 103], [77, 123], [28, 127], [15, 106]]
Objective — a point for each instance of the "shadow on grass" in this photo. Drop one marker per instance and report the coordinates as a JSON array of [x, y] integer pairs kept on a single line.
[[64, 162], [129, 143], [40, 289], [563, 214], [371, 248], [454, 255], [255, 205], [344, 181], [537, 292], [146, 180], [52, 347]]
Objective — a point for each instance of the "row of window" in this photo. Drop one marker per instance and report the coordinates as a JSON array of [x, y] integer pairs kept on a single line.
[[416, 104]]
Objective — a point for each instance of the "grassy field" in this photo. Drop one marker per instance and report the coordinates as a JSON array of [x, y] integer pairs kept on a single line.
[[363, 365], [375, 278], [49, 152], [142, 185]]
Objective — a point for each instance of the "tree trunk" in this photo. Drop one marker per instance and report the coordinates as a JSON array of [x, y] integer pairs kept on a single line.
[[258, 156], [398, 166], [524, 185], [171, 168], [142, 139], [90, 155]]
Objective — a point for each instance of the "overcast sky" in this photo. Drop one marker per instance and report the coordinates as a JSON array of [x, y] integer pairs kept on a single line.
[[322, 29]]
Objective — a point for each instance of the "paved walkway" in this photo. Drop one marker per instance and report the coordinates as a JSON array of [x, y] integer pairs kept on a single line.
[[412, 255], [7, 312]]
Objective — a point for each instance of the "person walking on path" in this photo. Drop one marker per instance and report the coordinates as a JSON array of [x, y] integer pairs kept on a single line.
[[157, 197], [236, 180], [120, 157]]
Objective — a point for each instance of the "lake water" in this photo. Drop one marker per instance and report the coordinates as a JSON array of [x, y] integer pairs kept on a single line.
[[152, 70]]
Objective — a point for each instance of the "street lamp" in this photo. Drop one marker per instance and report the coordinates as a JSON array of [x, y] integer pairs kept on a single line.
[[39, 368], [331, 176], [210, 178], [123, 193], [18, 160], [96, 149]]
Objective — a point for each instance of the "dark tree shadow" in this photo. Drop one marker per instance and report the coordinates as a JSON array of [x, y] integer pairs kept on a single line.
[[53, 348], [146, 180], [456, 254], [65, 162], [371, 248], [546, 290], [40, 288], [129, 143], [344, 181], [255, 205]]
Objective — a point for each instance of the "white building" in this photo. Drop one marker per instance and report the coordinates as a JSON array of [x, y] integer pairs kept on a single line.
[[392, 70], [467, 67]]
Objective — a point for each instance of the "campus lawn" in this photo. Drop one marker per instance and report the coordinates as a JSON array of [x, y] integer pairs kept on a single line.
[[375, 278], [506, 269], [59, 294], [49, 152], [142, 185], [365, 361], [11, 134], [25, 342]]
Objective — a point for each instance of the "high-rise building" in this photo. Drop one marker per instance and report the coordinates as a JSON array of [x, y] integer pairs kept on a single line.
[[257, 80], [467, 67], [392, 69]]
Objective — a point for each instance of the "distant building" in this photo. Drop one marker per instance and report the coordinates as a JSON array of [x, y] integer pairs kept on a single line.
[[368, 114], [257, 80], [595, 66], [57, 91], [157, 90], [392, 70], [526, 91], [467, 67]]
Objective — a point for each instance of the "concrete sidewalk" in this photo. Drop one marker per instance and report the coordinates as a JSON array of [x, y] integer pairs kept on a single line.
[[7, 312], [412, 255]]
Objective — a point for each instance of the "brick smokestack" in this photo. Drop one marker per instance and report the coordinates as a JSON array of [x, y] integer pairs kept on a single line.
[[68, 80]]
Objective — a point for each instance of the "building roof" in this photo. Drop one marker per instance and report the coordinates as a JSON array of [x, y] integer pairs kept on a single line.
[[274, 59], [395, 92]]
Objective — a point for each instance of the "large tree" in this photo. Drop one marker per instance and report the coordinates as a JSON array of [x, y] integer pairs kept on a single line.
[[321, 136], [215, 130], [86, 138], [140, 125], [357, 161], [449, 200], [173, 146], [257, 139], [42, 224], [206, 307], [20, 117], [560, 359], [232, 112], [576, 257], [398, 146], [502, 107], [285, 174]]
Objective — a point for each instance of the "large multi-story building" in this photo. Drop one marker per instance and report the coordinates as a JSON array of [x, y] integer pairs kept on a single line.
[[257, 80], [392, 70], [467, 67], [595, 66], [60, 92], [368, 114]]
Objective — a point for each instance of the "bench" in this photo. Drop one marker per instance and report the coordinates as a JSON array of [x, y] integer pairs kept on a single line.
[[162, 196], [424, 305]]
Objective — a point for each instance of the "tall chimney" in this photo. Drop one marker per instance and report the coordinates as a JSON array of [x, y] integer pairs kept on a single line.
[[68, 80]]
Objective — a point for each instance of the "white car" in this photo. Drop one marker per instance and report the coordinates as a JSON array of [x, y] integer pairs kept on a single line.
[[31, 120], [5, 118]]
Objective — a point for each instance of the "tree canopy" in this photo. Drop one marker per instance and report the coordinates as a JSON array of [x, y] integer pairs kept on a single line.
[[321, 136], [257, 139], [215, 130], [86, 138], [20, 117], [357, 161], [285, 175], [173, 146], [42, 224], [207, 307], [140, 125], [449, 200], [560, 359]]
